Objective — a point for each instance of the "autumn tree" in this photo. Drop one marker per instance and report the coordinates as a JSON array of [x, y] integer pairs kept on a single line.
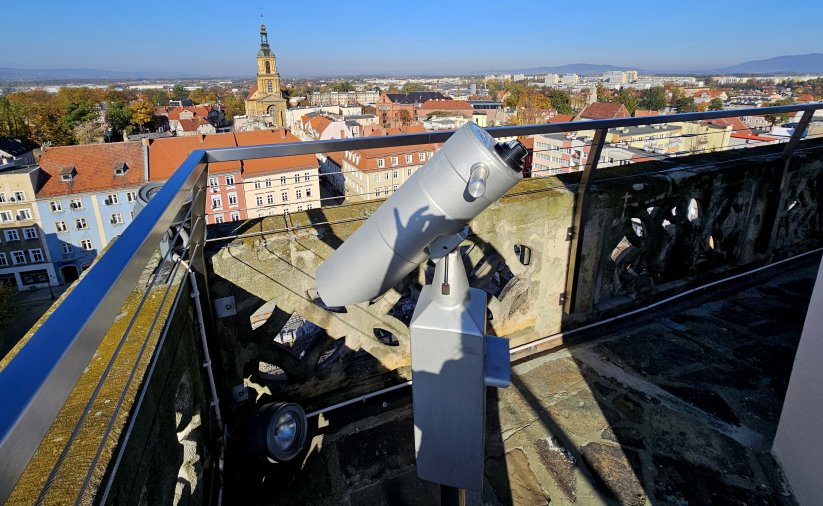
[[156, 96], [685, 104], [716, 104], [342, 86], [529, 104], [142, 113], [782, 117], [13, 119], [603, 93], [178, 92], [653, 99], [233, 105], [411, 87], [405, 117]]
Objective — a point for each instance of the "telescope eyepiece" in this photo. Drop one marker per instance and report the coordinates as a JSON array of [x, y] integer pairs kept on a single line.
[[512, 153]]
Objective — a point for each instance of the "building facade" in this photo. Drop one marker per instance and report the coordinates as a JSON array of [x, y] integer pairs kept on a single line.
[[376, 173], [86, 201], [24, 258], [265, 97]]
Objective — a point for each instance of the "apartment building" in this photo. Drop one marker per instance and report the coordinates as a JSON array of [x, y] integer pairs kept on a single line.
[[24, 258], [87, 199], [376, 173]]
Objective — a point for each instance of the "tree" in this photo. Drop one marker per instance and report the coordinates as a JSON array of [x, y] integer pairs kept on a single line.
[[561, 101], [157, 97], [178, 92], [529, 104], [603, 93], [142, 113], [405, 117], [685, 104], [716, 104], [653, 99], [233, 106], [782, 117], [437, 114], [13, 119], [8, 306], [627, 97], [89, 132], [342, 86], [118, 117], [369, 109], [412, 86]]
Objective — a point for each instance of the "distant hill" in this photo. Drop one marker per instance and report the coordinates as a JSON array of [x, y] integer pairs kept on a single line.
[[811, 63], [10, 74]]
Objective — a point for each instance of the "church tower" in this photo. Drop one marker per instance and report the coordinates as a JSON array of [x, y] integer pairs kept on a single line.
[[265, 98]]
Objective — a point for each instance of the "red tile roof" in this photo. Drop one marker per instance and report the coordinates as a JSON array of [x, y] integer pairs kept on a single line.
[[604, 110], [319, 123], [367, 161], [639, 113], [561, 118], [805, 98], [736, 123], [191, 125], [252, 91], [166, 154], [95, 167], [278, 164]]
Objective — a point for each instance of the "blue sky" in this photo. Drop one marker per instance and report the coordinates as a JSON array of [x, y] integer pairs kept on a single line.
[[322, 37]]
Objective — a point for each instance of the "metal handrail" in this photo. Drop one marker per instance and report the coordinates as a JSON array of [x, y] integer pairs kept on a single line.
[[37, 381]]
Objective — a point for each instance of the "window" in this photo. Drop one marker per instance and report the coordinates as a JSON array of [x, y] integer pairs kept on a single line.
[[36, 255], [23, 214], [299, 208], [297, 178], [282, 180], [61, 226], [408, 159], [56, 206], [12, 235], [298, 194], [408, 171], [268, 183], [65, 248], [20, 196], [269, 87], [116, 219], [381, 163], [232, 200], [131, 196], [5, 216], [430, 155], [394, 161], [257, 185], [2, 197], [259, 200], [395, 175], [284, 196], [306, 176], [377, 192], [270, 198], [76, 204], [394, 188], [80, 224], [216, 202], [3, 260], [213, 184], [377, 177], [218, 218], [235, 216], [308, 206], [30, 233], [18, 257], [229, 180], [112, 199], [86, 244], [308, 192], [421, 157]]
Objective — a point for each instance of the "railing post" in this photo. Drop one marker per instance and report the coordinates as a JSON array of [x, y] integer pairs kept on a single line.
[[581, 212], [802, 126]]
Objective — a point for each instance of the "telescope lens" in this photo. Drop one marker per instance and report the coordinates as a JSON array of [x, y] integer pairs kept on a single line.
[[512, 153], [285, 431]]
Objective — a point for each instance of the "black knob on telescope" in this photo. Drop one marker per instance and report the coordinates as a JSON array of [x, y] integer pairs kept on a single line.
[[512, 153]]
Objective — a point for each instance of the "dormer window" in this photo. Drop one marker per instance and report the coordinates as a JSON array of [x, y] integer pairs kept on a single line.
[[120, 168], [67, 174]]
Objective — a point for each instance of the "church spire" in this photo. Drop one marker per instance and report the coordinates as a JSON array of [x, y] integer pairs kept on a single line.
[[264, 42]]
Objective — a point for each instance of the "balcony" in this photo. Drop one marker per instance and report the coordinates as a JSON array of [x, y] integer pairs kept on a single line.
[[652, 327]]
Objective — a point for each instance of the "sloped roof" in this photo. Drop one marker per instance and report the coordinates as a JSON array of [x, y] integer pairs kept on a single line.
[[191, 125], [260, 166], [319, 123], [604, 110], [639, 113], [561, 118], [252, 91], [94, 166], [166, 154], [13, 147], [417, 97]]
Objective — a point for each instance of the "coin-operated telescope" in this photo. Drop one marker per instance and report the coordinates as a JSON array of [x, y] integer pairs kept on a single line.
[[452, 358]]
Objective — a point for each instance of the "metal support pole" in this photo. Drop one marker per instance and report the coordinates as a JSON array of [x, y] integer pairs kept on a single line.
[[581, 213], [802, 126]]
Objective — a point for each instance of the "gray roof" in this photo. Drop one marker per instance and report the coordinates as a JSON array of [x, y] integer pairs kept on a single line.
[[417, 97], [13, 147]]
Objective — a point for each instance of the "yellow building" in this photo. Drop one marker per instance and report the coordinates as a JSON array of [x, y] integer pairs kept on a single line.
[[265, 98]]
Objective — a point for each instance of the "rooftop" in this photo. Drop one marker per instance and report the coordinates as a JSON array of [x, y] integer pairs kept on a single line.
[[94, 164]]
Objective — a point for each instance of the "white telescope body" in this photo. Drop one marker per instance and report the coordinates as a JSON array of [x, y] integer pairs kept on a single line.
[[436, 201]]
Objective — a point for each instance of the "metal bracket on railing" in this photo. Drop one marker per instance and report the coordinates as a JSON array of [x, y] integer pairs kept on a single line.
[[799, 130], [581, 212]]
